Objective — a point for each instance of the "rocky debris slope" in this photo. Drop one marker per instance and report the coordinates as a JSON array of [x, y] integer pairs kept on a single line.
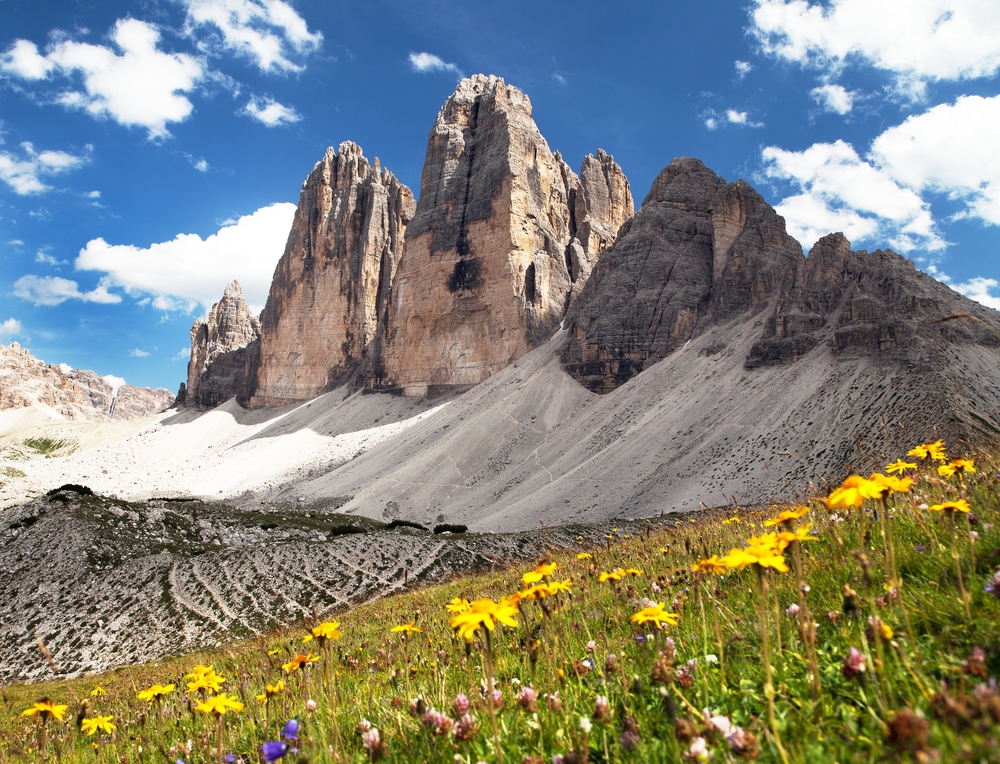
[[74, 394], [503, 229], [332, 282], [124, 583], [221, 348]]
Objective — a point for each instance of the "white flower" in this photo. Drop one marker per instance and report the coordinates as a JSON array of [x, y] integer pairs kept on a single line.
[[586, 725]]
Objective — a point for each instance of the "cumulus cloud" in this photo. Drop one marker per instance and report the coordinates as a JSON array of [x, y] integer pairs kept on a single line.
[[270, 33], [269, 112], [979, 289], [138, 353], [918, 41], [713, 120], [24, 172], [428, 62], [43, 257], [945, 149], [188, 271], [134, 83], [184, 354], [835, 99], [115, 383], [839, 191], [10, 328], [54, 290]]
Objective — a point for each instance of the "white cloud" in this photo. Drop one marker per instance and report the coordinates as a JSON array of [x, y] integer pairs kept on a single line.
[[140, 87], [840, 191], [428, 62], [16, 243], [93, 194], [184, 354], [268, 32], [188, 271], [711, 123], [833, 98], [24, 173], [559, 78], [53, 290], [946, 149], [10, 328], [201, 165], [65, 368], [979, 289], [269, 112], [743, 68], [43, 257], [115, 383], [138, 353], [713, 120], [919, 41]]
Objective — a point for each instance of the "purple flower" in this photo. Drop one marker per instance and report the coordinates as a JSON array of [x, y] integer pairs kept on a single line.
[[630, 740], [229, 758], [993, 585], [461, 704], [273, 751], [921, 548], [291, 730]]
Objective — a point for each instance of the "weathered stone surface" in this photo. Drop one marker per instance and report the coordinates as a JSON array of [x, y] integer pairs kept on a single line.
[[698, 250], [75, 394], [488, 268], [332, 283], [220, 350]]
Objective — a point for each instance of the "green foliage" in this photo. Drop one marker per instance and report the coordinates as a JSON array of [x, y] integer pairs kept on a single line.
[[447, 528], [12, 472], [50, 446], [924, 693], [404, 524]]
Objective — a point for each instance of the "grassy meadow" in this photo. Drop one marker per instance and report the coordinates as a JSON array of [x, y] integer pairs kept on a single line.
[[861, 626]]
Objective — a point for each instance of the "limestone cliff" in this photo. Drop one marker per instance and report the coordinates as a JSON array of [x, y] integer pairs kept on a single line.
[[75, 394], [489, 267], [332, 282], [220, 349]]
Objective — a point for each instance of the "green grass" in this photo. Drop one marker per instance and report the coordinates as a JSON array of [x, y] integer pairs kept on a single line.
[[924, 693], [49, 447]]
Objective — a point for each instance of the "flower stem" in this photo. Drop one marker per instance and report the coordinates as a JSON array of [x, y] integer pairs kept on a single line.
[[768, 683], [958, 568]]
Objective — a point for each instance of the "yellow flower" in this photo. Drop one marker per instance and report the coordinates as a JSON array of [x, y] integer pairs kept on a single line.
[[326, 630], [713, 565], [457, 605], [481, 613], [951, 506], [634, 571], [584, 556], [275, 651], [156, 691], [966, 465], [544, 570], [44, 709], [406, 628], [787, 516], [98, 692], [946, 470], [557, 587], [219, 705], [799, 534], [271, 690], [204, 678], [853, 492], [655, 614], [511, 600], [899, 467], [887, 633], [763, 552], [730, 520], [614, 575], [93, 724], [933, 451], [889, 484], [296, 663]]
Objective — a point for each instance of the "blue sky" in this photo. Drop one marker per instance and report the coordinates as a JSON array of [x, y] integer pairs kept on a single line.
[[152, 150]]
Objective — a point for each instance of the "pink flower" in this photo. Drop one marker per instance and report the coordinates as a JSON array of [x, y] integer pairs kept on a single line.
[[854, 665]]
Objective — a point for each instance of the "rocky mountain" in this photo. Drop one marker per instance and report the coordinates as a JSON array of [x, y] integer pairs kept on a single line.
[[222, 350], [332, 282], [74, 394], [502, 231]]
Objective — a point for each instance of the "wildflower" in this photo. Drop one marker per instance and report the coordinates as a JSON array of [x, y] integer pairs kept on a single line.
[[763, 552], [656, 614], [311, 705], [950, 507], [98, 692], [713, 565], [553, 702], [528, 699], [558, 587], [585, 725], [908, 733], [466, 728], [438, 721], [800, 534], [615, 575], [634, 571], [271, 690], [94, 723], [853, 492], [946, 470], [291, 730], [585, 556], [155, 692], [992, 586], [273, 751], [45, 708], [898, 467], [218, 705], [204, 679], [854, 664], [630, 738], [933, 451], [684, 675], [544, 570], [966, 465], [792, 611], [374, 745], [787, 516], [481, 613], [975, 664], [591, 646], [326, 630], [891, 484], [730, 520], [461, 704], [457, 605], [296, 663], [602, 710], [697, 751], [406, 629], [877, 626]]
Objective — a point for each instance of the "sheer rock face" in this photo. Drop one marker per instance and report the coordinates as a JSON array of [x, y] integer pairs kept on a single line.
[[220, 348], [488, 269], [699, 249], [75, 394], [332, 283]]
